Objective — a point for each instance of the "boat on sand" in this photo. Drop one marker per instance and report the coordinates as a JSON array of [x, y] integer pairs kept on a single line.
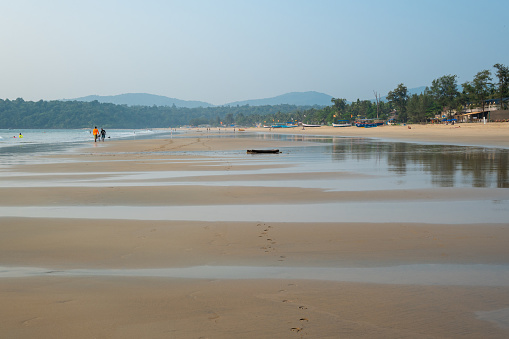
[[342, 123], [255, 151]]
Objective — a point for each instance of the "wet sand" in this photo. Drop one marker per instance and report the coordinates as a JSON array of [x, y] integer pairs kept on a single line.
[[154, 307]]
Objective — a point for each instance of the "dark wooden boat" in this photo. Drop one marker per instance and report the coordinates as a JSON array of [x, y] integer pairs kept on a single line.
[[253, 151]]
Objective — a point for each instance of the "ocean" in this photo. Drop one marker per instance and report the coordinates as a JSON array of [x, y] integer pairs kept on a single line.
[[58, 140]]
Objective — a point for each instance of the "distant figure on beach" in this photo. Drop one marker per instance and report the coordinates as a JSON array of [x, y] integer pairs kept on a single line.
[[95, 132], [103, 134]]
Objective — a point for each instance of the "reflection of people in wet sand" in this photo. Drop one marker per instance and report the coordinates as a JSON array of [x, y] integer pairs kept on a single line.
[[95, 132]]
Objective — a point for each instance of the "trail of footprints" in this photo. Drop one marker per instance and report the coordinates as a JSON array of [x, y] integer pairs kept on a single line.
[[270, 248], [269, 243], [302, 320]]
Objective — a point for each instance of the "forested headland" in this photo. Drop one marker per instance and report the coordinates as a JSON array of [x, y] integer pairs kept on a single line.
[[443, 95], [77, 114]]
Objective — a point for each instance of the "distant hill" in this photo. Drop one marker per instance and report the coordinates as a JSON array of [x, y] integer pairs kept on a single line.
[[294, 98], [310, 98], [142, 99]]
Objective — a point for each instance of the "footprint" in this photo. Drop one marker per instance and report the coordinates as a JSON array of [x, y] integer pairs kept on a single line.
[[213, 316], [64, 301], [297, 329], [28, 322]]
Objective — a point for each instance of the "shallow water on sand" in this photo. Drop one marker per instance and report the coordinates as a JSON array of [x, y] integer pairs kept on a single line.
[[421, 274], [450, 212], [378, 165]]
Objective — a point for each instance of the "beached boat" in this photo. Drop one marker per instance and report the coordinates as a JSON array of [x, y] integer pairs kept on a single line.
[[254, 151], [342, 123], [287, 125], [311, 125], [366, 123]]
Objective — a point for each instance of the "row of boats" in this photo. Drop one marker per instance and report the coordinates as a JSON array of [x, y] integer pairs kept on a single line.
[[366, 123]]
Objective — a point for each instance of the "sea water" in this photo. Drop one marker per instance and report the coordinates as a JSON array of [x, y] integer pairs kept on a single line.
[[36, 141]]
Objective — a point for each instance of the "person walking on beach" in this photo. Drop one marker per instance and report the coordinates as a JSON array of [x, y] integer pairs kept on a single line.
[[95, 132], [103, 134]]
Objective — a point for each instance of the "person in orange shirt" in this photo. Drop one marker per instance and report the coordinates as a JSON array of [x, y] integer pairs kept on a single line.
[[95, 132]]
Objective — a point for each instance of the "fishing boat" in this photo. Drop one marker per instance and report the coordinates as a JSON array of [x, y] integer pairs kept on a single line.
[[255, 151], [287, 125], [342, 123], [311, 125], [366, 123]]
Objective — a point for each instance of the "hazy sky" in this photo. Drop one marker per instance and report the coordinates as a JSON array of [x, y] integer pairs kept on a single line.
[[221, 51]]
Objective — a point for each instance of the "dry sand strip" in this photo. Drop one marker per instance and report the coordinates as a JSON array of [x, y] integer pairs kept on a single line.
[[192, 142], [476, 134], [179, 308], [80, 243]]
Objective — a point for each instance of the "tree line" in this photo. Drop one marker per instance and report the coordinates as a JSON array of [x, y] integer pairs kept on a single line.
[[78, 114], [443, 95]]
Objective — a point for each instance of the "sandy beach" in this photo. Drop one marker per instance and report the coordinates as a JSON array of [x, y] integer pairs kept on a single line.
[[493, 134], [46, 299]]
